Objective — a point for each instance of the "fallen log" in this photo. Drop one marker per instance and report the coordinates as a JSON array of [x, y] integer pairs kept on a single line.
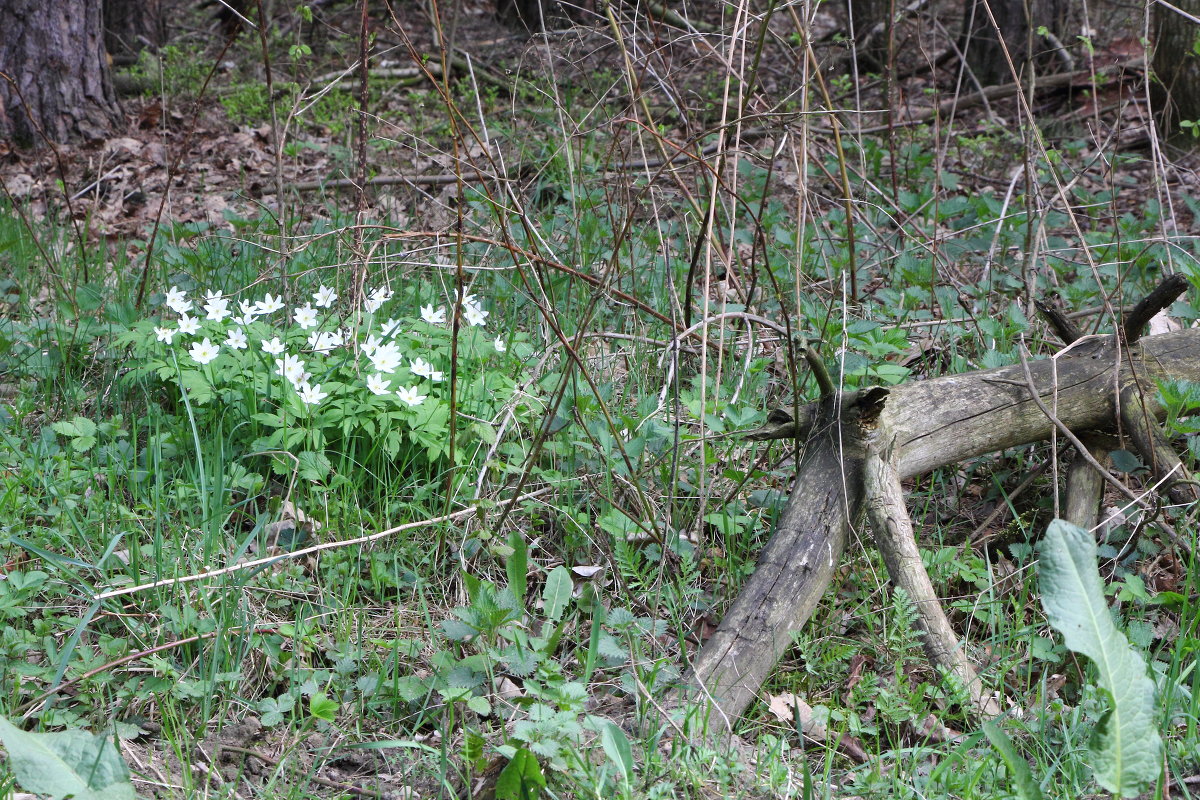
[[905, 431]]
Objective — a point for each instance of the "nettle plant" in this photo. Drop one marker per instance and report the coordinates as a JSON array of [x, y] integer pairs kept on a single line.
[[309, 379]]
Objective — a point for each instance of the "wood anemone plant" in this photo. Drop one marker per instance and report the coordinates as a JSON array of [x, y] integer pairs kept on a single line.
[[859, 445]]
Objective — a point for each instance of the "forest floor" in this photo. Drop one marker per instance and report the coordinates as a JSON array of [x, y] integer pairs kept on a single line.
[[595, 186]]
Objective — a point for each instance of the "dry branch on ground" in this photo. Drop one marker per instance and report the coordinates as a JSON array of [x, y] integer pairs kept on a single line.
[[858, 445]]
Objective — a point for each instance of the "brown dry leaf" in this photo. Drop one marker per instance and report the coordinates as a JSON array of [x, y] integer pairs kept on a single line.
[[1162, 323], [782, 706]]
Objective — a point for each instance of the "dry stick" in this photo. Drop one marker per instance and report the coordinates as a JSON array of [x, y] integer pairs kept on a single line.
[[1161, 298], [360, 268], [464, 512], [271, 628], [1063, 328], [893, 529], [1085, 487], [443, 179]]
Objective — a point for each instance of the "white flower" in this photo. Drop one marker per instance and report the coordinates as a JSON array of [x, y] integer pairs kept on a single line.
[[217, 309], [409, 395], [474, 315], [370, 345], [377, 298], [269, 305], [470, 301], [164, 334], [390, 327], [324, 297], [378, 384], [236, 339], [311, 395], [324, 341], [247, 312], [305, 317], [433, 317], [292, 368], [499, 344], [274, 347], [386, 358], [204, 352], [212, 295], [423, 368], [188, 325], [177, 301]]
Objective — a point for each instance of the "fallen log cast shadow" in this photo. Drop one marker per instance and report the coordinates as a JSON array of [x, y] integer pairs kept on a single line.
[[859, 446]]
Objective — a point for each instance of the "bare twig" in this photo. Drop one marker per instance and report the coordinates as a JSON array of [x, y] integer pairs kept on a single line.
[[200, 576]]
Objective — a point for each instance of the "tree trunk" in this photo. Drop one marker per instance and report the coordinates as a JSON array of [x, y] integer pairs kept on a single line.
[[1177, 61], [1012, 26], [869, 23], [535, 15], [131, 26], [58, 84]]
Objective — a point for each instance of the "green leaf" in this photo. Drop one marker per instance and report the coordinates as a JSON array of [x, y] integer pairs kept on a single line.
[[196, 386], [480, 705], [616, 747], [1127, 749], [1125, 461], [517, 565], [1023, 782], [322, 707], [457, 631], [557, 592], [65, 428], [67, 763], [83, 443], [313, 466], [521, 778]]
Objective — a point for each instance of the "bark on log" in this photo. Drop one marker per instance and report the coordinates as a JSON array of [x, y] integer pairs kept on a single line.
[[928, 424], [894, 533], [792, 572], [1085, 487]]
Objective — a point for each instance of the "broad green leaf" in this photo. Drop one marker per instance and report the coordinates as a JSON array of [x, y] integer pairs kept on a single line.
[[557, 592], [458, 631], [66, 428], [517, 566], [67, 763], [1023, 783], [323, 707], [1127, 749], [521, 778], [480, 705], [616, 747], [313, 466]]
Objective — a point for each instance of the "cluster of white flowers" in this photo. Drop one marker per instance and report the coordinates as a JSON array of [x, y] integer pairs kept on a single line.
[[383, 353]]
